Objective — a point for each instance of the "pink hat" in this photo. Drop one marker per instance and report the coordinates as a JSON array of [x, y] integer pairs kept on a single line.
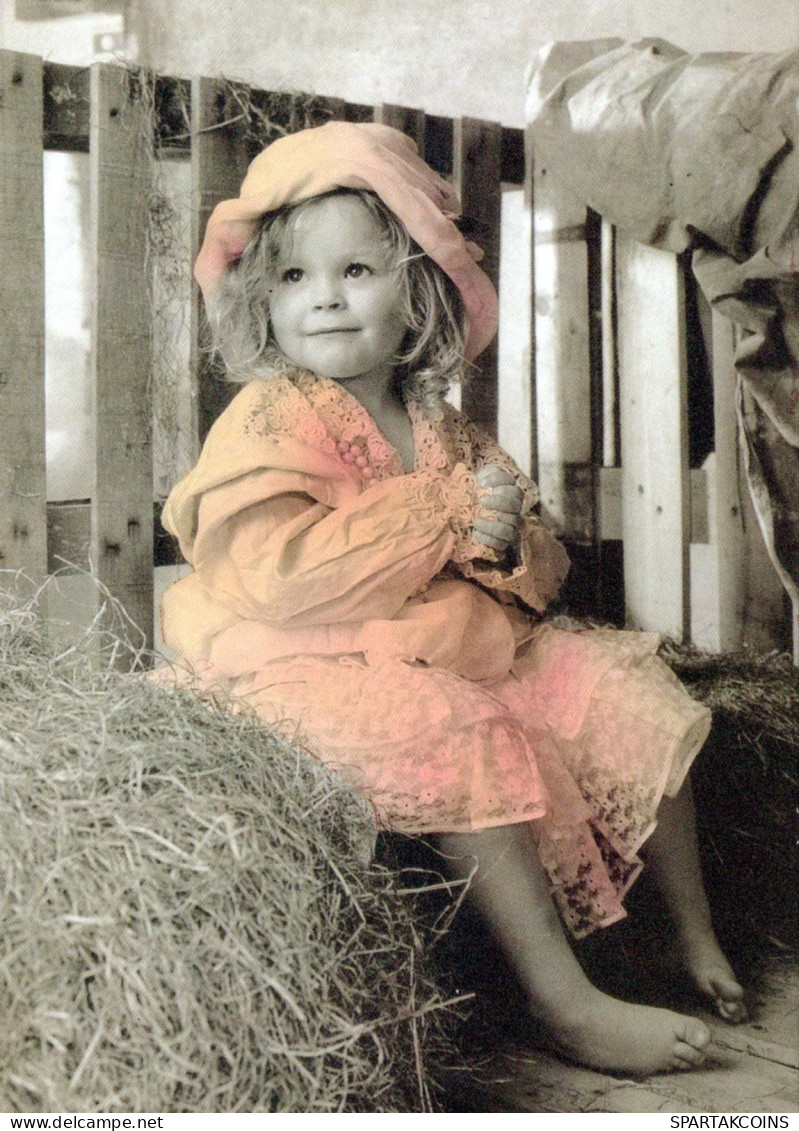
[[360, 156]]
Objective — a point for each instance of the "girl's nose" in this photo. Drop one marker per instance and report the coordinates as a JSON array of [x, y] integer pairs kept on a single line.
[[328, 295]]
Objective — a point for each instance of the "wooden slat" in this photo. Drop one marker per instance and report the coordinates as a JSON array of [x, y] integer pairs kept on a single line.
[[410, 122], [516, 413], [219, 159], [717, 570], [654, 438], [610, 386], [23, 530], [477, 159], [122, 528], [563, 356], [528, 406]]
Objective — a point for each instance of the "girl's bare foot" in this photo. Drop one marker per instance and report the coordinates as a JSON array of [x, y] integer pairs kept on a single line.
[[603, 1032], [713, 976], [673, 853]]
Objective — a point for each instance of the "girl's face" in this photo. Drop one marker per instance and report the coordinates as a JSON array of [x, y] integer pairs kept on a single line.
[[334, 294]]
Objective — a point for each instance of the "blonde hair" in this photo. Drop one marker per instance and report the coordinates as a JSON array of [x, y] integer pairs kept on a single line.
[[431, 354]]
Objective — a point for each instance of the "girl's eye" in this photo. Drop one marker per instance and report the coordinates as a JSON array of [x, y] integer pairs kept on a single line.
[[292, 275], [357, 270]]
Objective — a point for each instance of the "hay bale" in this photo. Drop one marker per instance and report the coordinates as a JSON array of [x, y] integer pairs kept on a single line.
[[190, 917]]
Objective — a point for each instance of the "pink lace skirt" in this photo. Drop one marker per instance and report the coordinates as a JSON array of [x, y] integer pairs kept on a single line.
[[583, 737]]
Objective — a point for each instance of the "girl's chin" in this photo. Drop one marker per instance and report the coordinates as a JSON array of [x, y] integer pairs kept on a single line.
[[342, 376]]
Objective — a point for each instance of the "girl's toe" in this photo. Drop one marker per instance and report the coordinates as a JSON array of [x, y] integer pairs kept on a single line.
[[729, 997], [692, 1040], [732, 1011], [686, 1057], [695, 1035]]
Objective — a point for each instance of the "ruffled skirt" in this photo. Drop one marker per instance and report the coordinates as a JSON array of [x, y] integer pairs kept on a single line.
[[583, 737]]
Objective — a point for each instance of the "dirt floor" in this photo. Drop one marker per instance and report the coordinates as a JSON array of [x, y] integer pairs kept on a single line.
[[752, 1068]]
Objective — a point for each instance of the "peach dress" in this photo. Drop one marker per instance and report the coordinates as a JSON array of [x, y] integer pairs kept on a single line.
[[346, 602]]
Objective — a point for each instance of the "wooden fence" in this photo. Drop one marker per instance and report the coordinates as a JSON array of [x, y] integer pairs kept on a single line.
[[606, 403]]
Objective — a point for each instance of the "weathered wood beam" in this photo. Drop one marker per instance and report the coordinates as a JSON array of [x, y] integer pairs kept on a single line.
[[476, 175], [122, 529], [23, 532]]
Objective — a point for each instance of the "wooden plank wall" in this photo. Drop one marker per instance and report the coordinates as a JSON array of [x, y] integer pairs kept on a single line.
[[23, 523]]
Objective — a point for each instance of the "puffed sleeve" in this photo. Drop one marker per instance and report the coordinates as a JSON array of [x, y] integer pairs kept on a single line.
[[293, 560], [539, 562]]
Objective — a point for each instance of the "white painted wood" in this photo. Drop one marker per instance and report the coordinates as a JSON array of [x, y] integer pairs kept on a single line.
[[717, 571], [654, 449], [516, 392], [609, 374], [23, 520], [563, 373], [529, 404], [610, 489]]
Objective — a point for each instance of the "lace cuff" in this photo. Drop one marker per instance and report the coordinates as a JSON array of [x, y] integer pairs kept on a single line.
[[536, 578], [455, 498]]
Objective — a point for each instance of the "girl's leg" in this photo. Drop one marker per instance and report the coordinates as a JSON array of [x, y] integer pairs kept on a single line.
[[512, 892], [672, 853]]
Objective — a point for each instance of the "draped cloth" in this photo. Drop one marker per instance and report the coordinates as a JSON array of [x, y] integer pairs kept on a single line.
[[698, 153], [347, 605]]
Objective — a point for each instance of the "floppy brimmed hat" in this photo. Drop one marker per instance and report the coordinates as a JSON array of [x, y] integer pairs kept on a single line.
[[353, 155]]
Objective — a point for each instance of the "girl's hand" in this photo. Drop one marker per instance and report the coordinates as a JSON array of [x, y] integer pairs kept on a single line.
[[504, 498]]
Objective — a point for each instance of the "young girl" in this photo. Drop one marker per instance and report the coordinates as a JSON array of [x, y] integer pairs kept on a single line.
[[368, 572]]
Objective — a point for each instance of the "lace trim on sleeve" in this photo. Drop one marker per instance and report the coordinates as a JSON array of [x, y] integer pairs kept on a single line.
[[454, 497], [475, 448]]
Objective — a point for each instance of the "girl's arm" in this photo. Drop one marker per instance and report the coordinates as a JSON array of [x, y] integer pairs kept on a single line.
[[293, 560]]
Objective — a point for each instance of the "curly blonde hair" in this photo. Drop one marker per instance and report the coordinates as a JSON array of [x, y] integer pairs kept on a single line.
[[431, 355]]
